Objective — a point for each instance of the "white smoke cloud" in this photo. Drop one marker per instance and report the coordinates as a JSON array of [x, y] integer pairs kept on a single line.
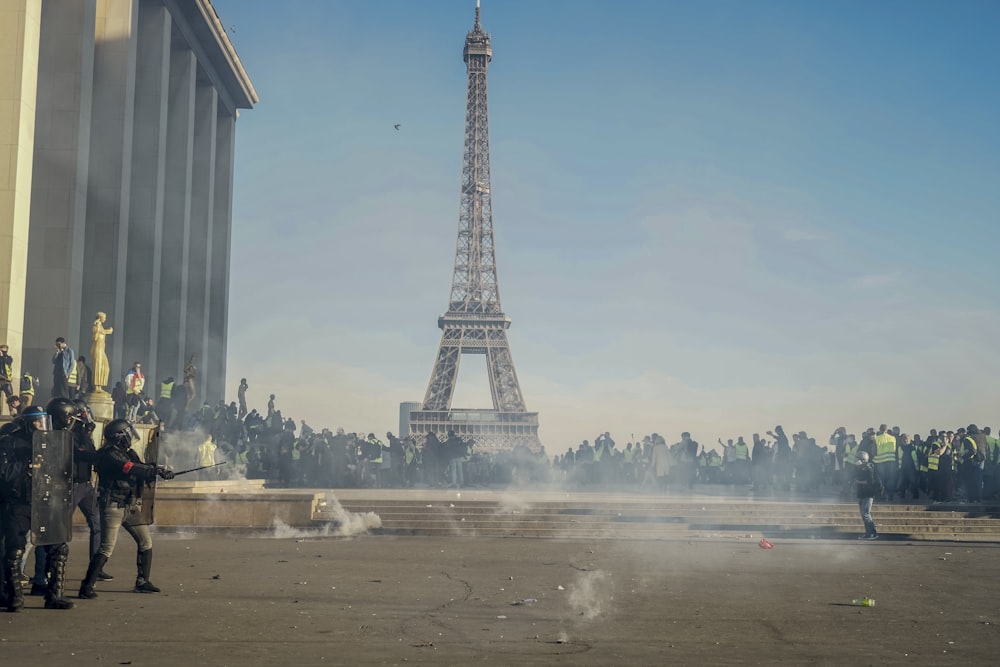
[[592, 594], [344, 524]]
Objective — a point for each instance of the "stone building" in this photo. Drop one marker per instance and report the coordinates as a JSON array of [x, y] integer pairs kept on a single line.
[[117, 129]]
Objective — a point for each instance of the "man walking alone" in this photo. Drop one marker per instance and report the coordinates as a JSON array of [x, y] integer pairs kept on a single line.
[[867, 482]]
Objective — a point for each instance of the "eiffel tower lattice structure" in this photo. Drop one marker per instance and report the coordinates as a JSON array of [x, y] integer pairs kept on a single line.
[[475, 323]]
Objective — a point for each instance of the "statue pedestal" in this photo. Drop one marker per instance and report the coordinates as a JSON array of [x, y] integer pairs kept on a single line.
[[101, 405]]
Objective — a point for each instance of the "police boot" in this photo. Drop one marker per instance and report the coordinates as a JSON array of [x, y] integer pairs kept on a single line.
[[13, 593], [87, 591], [144, 563], [55, 569]]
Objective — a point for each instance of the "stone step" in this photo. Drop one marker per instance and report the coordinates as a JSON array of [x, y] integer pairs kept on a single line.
[[788, 533], [703, 517], [671, 519], [566, 508]]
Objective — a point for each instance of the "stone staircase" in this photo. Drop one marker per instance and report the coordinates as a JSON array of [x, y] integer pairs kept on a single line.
[[595, 516]]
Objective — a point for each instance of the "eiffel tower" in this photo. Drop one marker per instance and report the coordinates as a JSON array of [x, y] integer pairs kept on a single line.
[[475, 323]]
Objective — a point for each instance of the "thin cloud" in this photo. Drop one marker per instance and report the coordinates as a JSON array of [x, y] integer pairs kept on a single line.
[[876, 280], [798, 234]]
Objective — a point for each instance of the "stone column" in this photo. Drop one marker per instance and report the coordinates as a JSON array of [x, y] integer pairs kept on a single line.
[[20, 22], [200, 241], [110, 178], [176, 212], [59, 187], [145, 233], [218, 295]]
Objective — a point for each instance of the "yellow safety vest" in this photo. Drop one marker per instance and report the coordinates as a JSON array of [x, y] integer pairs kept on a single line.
[[885, 448], [375, 442], [741, 452], [975, 449], [165, 389]]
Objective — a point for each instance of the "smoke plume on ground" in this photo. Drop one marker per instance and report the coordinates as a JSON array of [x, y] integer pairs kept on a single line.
[[344, 523], [591, 595]]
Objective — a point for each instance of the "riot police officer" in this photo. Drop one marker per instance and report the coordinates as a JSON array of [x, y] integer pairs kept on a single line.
[[74, 417], [121, 477], [15, 512], [84, 491]]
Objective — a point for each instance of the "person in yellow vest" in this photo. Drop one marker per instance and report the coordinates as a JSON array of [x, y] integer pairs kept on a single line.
[[885, 460], [29, 384], [410, 462], [165, 402], [737, 461], [931, 446], [6, 378], [372, 463], [628, 463], [849, 453], [991, 483], [166, 390], [973, 447], [944, 452]]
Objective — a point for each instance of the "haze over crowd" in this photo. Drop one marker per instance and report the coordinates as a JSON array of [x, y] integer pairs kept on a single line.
[[708, 216]]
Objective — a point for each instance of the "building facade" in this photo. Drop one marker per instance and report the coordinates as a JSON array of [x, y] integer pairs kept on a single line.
[[117, 131]]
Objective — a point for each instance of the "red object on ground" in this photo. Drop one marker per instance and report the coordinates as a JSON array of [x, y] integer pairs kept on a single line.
[[764, 544]]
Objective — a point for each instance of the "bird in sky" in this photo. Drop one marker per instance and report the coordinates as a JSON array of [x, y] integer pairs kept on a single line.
[[397, 126]]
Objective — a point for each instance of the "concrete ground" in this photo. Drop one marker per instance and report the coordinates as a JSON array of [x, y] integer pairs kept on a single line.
[[382, 600]]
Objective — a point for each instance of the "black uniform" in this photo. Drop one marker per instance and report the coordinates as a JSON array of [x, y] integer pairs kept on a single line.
[[121, 478], [15, 518], [15, 507]]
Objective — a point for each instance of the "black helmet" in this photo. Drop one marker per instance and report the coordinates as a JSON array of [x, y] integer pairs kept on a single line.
[[118, 433], [33, 414], [62, 411], [83, 410]]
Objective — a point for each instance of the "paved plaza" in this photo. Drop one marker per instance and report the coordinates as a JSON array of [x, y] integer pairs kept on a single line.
[[300, 599]]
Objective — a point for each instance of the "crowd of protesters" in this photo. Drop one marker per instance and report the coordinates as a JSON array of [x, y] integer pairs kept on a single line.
[[943, 466]]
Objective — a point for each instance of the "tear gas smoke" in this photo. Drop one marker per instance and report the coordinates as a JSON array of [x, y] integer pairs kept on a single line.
[[179, 450], [344, 524], [591, 595]]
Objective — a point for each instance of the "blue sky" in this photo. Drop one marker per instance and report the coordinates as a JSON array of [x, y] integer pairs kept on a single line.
[[712, 216]]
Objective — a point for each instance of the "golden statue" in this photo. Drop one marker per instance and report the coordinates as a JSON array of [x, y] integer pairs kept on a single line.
[[98, 357]]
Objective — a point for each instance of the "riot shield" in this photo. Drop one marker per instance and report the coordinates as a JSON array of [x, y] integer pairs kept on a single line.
[[51, 487], [147, 495]]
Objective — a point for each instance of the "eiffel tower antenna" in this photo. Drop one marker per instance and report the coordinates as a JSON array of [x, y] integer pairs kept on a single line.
[[475, 323]]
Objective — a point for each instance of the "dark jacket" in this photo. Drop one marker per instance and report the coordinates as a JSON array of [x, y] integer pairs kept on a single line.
[[121, 476], [866, 481], [15, 462], [6, 369], [84, 452]]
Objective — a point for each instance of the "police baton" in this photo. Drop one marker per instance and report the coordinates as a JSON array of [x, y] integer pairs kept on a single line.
[[184, 472]]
